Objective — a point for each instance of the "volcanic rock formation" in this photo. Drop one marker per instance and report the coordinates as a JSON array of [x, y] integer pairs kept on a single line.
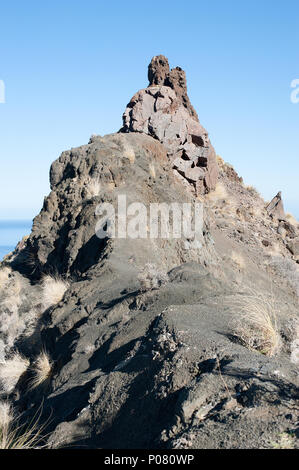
[[275, 207], [163, 111], [153, 342]]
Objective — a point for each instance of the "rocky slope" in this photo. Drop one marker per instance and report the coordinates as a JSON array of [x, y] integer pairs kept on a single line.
[[143, 335]]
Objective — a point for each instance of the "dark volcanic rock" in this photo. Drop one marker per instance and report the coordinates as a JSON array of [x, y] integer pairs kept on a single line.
[[163, 110], [157, 364], [63, 238]]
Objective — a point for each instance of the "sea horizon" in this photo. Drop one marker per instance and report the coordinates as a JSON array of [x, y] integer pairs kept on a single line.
[[11, 232]]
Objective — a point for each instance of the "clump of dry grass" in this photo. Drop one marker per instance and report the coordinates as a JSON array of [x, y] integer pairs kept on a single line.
[[256, 323], [292, 219], [6, 413], [18, 315], [150, 277], [93, 186], [238, 259], [285, 440], [219, 193], [6, 417], [152, 170], [252, 190], [4, 275], [53, 290], [220, 160], [42, 370], [16, 436], [129, 154], [11, 370], [12, 325]]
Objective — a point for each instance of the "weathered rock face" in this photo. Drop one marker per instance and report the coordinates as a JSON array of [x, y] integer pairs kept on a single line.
[[163, 110], [63, 238]]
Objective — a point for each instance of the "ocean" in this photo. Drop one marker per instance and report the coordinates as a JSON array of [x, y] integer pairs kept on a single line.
[[11, 232]]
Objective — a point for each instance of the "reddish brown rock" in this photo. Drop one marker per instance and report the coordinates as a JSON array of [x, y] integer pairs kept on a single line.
[[163, 110], [158, 69]]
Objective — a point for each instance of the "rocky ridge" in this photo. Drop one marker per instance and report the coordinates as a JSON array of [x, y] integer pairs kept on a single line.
[[140, 335]]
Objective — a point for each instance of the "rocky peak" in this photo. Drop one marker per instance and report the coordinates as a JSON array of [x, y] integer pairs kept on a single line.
[[158, 69], [159, 73], [163, 111]]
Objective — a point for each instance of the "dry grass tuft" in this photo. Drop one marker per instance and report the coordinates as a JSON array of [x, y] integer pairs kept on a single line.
[[53, 290], [152, 170], [129, 154], [220, 160], [256, 323], [42, 370], [238, 259], [11, 370], [17, 315], [93, 186], [285, 440], [6, 414], [4, 276], [218, 194], [252, 190], [16, 436], [292, 219], [150, 277]]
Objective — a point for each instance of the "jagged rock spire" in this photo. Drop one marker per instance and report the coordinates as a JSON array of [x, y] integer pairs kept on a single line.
[[158, 69], [163, 110], [159, 73]]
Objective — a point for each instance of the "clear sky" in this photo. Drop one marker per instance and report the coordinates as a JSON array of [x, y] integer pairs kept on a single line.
[[70, 67]]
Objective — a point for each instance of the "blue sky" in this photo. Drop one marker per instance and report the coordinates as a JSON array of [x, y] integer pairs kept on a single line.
[[70, 67]]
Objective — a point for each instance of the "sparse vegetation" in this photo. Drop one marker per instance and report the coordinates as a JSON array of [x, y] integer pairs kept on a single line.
[[18, 314], [6, 413], [238, 260], [4, 276], [256, 324], [290, 218], [16, 436], [150, 277], [152, 170], [251, 189], [220, 160], [285, 440], [11, 370], [53, 290], [129, 154], [219, 193], [42, 370], [93, 186], [12, 325]]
